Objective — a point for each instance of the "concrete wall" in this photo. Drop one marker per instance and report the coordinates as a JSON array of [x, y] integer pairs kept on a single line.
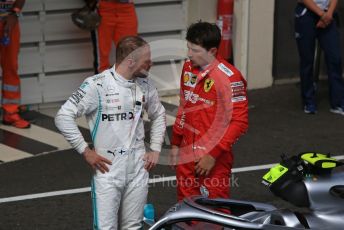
[[47, 34], [56, 56], [253, 36], [260, 48], [204, 10]]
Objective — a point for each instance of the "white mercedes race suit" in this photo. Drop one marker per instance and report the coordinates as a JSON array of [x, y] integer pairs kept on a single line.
[[114, 107]]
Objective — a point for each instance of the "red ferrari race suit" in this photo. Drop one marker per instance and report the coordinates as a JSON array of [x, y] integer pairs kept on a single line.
[[213, 113]]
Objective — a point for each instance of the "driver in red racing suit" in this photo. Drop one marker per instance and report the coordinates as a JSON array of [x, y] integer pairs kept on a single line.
[[213, 113]]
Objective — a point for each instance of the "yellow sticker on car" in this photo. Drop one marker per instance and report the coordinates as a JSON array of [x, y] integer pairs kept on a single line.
[[275, 173]]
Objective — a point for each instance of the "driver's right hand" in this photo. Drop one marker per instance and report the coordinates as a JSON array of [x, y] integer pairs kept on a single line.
[[173, 156]]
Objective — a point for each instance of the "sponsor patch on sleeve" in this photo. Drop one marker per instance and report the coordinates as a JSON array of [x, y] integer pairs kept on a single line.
[[238, 98], [84, 85], [98, 77], [238, 88], [238, 91], [225, 69], [77, 96]]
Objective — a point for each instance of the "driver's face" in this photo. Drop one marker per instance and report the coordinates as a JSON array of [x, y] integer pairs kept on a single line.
[[144, 62], [198, 55]]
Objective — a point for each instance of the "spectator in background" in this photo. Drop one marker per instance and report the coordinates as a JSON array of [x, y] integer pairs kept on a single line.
[[314, 20], [9, 50], [118, 19]]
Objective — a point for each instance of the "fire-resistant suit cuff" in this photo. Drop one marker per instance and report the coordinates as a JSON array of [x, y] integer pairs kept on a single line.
[[176, 140], [216, 152], [155, 147], [81, 148]]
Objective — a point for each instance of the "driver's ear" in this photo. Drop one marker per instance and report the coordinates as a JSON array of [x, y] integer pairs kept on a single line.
[[131, 62], [213, 51]]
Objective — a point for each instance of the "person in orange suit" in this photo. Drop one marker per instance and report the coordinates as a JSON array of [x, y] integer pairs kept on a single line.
[[118, 20], [9, 50]]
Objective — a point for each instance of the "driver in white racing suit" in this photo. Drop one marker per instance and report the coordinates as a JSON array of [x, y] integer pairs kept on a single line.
[[113, 103]]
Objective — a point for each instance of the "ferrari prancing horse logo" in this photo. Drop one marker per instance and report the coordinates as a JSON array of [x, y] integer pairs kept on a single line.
[[208, 84]]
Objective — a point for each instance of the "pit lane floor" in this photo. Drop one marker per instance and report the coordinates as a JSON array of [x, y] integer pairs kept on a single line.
[[37, 162]]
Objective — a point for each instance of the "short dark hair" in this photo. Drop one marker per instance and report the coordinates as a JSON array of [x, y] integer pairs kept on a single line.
[[204, 34], [127, 46]]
